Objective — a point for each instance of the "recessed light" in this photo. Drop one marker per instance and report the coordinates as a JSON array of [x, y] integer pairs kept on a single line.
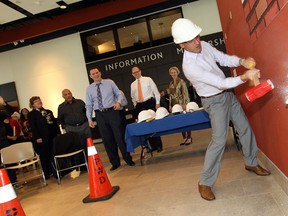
[[62, 4]]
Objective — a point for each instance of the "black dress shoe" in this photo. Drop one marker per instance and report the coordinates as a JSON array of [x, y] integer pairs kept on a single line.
[[131, 163], [114, 167], [149, 150], [159, 149]]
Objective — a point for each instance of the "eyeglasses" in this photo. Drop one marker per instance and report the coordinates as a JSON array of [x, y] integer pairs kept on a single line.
[[135, 72]]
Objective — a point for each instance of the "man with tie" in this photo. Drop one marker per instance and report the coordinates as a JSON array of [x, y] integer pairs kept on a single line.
[[104, 97], [145, 95]]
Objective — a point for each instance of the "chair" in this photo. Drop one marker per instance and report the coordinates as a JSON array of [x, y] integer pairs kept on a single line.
[[21, 155], [68, 146]]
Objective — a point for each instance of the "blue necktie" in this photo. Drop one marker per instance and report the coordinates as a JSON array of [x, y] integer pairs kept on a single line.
[[99, 97]]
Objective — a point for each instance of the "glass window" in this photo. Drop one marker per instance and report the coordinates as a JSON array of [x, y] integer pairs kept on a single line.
[[129, 36], [100, 43], [161, 23], [133, 34]]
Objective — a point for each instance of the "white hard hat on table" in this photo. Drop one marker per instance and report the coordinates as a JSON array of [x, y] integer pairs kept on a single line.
[[144, 115], [191, 107], [152, 112], [184, 30], [177, 108], [161, 112]]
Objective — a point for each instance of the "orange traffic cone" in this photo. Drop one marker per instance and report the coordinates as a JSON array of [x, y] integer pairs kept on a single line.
[[100, 187], [9, 203]]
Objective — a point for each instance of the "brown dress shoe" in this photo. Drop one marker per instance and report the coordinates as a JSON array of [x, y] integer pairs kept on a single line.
[[258, 170], [206, 192]]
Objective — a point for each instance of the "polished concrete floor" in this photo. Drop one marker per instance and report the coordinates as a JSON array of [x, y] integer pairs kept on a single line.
[[165, 185]]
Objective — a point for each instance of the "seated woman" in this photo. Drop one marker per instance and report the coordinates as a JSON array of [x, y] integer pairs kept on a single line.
[[4, 114], [26, 129]]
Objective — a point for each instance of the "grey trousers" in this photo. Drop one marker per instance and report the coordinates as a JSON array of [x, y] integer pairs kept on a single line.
[[223, 108]]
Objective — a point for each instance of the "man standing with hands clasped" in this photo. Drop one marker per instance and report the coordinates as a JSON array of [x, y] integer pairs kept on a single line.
[[72, 114], [104, 97], [200, 68]]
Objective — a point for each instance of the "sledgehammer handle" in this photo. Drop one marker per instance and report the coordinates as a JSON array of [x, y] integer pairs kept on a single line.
[[256, 80]]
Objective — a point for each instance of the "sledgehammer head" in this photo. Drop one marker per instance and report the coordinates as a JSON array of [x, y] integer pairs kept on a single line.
[[259, 90]]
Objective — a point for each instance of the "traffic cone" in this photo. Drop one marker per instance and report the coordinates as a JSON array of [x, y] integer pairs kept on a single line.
[[100, 187], [9, 203]]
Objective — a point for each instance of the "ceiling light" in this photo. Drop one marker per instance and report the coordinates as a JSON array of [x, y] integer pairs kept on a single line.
[[62, 4]]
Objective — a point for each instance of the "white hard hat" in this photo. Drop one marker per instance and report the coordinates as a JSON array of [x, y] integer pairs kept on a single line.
[[153, 113], [161, 112], [191, 107], [184, 30], [144, 115], [177, 108]]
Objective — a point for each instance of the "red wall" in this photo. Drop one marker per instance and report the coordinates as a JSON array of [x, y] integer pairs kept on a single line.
[[269, 46]]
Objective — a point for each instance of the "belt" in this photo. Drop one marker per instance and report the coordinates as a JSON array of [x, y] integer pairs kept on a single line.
[[77, 124], [105, 109], [152, 98], [213, 95]]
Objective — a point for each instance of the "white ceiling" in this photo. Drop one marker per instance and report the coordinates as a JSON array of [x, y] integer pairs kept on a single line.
[[8, 14]]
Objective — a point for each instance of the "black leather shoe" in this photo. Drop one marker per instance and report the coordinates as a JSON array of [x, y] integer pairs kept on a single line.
[[151, 150], [131, 163], [114, 167], [159, 149]]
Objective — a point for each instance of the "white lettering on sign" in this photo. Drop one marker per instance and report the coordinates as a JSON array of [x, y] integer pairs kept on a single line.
[[216, 42], [134, 61], [179, 50]]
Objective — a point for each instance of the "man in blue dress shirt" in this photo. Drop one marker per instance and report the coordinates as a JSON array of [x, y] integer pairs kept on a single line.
[[104, 97]]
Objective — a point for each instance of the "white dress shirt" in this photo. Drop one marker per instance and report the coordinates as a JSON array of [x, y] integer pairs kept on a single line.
[[204, 74], [149, 89]]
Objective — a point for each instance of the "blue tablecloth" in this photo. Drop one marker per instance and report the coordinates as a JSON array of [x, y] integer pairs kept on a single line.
[[137, 133]]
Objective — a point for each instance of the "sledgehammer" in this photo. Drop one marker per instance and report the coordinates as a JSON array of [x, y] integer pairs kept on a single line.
[[259, 89]]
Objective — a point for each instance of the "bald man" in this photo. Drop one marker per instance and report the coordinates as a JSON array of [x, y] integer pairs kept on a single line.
[[72, 114]]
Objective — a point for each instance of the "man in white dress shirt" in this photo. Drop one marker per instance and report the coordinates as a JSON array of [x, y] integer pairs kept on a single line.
[[200, 68], [150, 99]]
